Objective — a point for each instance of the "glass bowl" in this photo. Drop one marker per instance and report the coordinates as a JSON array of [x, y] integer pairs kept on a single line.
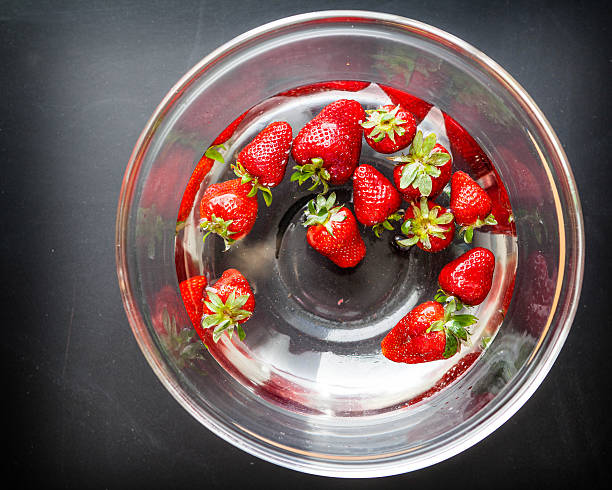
[[339, 428]]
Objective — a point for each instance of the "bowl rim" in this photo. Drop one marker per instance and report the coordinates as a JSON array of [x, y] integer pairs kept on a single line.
[[500, 410]]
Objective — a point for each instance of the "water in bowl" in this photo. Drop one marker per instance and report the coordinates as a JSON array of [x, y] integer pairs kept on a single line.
[[313, 342]]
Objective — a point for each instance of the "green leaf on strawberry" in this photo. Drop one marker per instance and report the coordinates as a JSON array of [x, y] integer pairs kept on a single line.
[[219, 226], [245, 178], [455, 326], [314, 171], [226, 315], [321, 211], [421, 163]]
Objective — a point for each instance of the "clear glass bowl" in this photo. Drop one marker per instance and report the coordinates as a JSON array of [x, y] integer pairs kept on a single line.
[[393, 437]]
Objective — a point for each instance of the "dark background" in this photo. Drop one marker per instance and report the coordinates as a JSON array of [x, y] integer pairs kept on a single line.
[[83, 409]]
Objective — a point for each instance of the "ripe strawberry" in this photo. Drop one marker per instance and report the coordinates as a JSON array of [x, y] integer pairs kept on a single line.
[[427, 225], [227, 209], [428, 332], [469, 277], [193, 186], [376, 200], [262, 162], [424, 171], [465, 148], [345, 85], [470, 204], [389, 129], [327, 149], [332, 231], [192, 292], [228, 304]]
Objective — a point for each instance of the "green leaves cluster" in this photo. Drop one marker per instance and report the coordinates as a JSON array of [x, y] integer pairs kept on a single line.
[[421, 164], [455, 326], [219, 226], [314, 171], [468, 231], [425, 223], [246, 177], [384, 124], [226, 315], [321, 211]]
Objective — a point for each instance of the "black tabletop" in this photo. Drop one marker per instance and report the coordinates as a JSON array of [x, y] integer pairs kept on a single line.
[[79, 80]]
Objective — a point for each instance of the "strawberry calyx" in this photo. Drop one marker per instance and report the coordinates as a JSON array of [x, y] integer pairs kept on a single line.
[[455, 326], [246, 177], [218, 226], [468, 230], [226, 315], [378, 228], [314, 171], [420, 164], [384, 124], [425, 223], [182, 342], [321, 211]]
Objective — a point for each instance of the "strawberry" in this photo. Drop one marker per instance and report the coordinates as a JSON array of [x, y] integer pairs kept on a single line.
[[228, 305], [193, 186], [469, 277], [262, 162], [332, 231], [327, 149], [376, 200], [228, 132], [466, 148], [429, 332], [192, 292], [424, 171], [227, 209], [345, 85], [427, 225], [470, 204], [389, 129]]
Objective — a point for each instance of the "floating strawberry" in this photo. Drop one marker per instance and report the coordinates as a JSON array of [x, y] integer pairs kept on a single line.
[[227, 210], [327, 149], [428, 332], [263, 161], [376, 200], [333, 232], [192, 292], [424, 171], [470, 204], [193, 186], [468, 277], [413, 104], [228, 305], [389, 129], [427, 225]]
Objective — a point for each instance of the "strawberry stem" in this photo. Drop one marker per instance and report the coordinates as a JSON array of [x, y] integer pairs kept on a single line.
[[220, 227], [315, 171], [226, 315], [246, 177]]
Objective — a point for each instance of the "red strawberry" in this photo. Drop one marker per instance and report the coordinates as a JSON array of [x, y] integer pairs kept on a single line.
[[193, 186], [228, 132], [228, 304], [327, 149], [466, 148], [376, 200], [262, 162], [345, 85], [333, 232], [424, 171], [192, 292], [389, 129], [428, 332], [227, 210], [469, 277], [427, 225], [470, 204]]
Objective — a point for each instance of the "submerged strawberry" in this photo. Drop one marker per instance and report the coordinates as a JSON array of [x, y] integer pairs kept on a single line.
[[192, 292], [327, 149], [193, 186], [228, 210], [429, 332], [263, 161], [345, 85], [424, 171], [376, 200], [389, 129], [469, 277], [332, 231], [470, 204], [427, 225], [228, 304]]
